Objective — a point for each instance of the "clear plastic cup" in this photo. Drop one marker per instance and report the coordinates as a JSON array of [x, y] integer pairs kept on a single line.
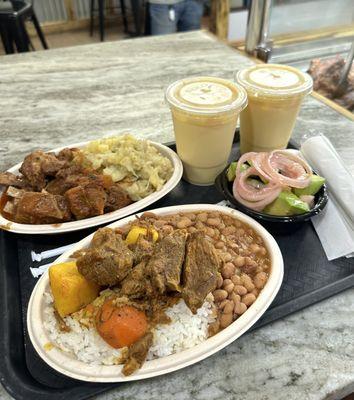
[[275, 93], [204, 112]]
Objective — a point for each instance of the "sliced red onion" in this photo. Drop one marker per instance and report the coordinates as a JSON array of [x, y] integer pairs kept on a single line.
[[249, 192], [295, 170], [256, 205]]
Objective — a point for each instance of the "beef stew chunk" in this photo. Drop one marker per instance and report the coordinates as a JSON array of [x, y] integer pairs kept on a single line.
[[165, 265], [143, 248], [85, 202], [137, 284], [41, 208], [9, 179], [117, 198], [108, 261], [200, 270], [37, 166], [137, 353]]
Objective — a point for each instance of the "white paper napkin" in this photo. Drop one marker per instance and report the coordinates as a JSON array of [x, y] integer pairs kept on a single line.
[[335, 224]]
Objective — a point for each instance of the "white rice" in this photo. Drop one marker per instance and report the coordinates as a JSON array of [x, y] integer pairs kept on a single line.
[[184, 332]]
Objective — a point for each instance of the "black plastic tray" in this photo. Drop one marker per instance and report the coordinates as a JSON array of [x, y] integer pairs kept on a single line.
[[309, 278]]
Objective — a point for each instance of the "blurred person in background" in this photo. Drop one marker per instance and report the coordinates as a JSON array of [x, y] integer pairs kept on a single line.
[[170, 16]]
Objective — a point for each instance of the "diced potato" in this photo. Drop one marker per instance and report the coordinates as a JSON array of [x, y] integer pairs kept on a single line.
[[71, 291], [136, 231]]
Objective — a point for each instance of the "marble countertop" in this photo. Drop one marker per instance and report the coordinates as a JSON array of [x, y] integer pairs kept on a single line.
[[59, 97]]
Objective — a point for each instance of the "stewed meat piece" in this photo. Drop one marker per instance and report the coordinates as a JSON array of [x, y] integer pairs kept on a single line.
[[67, 154], [165, 265], [41, 208], [200, 270], [117, 198], [143, 248], [137, 353], [85, 202], [108, 260], [9, 179], [37, 166], [137, 284]]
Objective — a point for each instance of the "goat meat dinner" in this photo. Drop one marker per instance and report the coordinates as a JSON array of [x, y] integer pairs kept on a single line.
[[74, 184], [154, 287]]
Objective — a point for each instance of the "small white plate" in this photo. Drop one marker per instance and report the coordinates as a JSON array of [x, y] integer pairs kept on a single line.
[[67, 365], [105, 218]]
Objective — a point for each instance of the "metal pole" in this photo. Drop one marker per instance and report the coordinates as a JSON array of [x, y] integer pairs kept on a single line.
[[257, 42], [254, 26]]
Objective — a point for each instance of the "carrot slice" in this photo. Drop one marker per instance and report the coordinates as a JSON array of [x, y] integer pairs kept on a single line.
[[120, 326]]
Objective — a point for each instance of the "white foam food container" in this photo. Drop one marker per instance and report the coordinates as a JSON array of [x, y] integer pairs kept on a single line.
[[105, 218], [69, 366]]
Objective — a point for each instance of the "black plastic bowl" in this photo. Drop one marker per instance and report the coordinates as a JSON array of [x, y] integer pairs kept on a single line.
[[273, 222]]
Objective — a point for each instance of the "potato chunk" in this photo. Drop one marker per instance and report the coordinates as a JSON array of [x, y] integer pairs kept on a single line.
[[136, 231], [71, 291]]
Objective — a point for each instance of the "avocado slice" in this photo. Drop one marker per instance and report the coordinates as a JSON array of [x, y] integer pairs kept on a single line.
[[314, 186], [231, 171], [287, 203]]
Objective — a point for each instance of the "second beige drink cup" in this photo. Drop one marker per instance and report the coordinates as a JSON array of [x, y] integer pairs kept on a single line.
[[204, 112], [275, 93]]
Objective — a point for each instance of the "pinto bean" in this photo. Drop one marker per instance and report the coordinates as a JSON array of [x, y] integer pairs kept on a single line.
[[219, 245], [191, 216], [260, 280], [254, 248], [228, 230], [229, 288], [247, 282], [241, 290], [209, 231], [223, 304], [228, 307], [236, 280], [220, 295], [219, 282], [184, 223], [192, 229], [234, 297], [214, 222], [239, 261], [167, 229], [248, 299], [226, 282], [225, 320], [240, 308], [227, 257], [199, 225], [159, 223], [202, 217], [228, 270], [255, 292], [262, 251]]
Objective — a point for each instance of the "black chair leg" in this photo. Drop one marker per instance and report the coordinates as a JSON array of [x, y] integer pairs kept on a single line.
[[39, 31], [92, 5], [19, 37], [136, 8], [124, 15], [25, 34], [7, 40], [101, 17]]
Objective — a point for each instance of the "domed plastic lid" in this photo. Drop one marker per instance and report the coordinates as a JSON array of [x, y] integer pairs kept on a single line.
[[206, 95], [274, 80]]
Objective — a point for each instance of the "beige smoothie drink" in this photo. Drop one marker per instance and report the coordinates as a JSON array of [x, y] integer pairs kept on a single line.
[[275, 93], [204, 112]]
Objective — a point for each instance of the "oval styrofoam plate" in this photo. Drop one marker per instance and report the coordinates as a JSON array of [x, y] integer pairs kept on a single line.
[[105, 218], [67, 365]]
